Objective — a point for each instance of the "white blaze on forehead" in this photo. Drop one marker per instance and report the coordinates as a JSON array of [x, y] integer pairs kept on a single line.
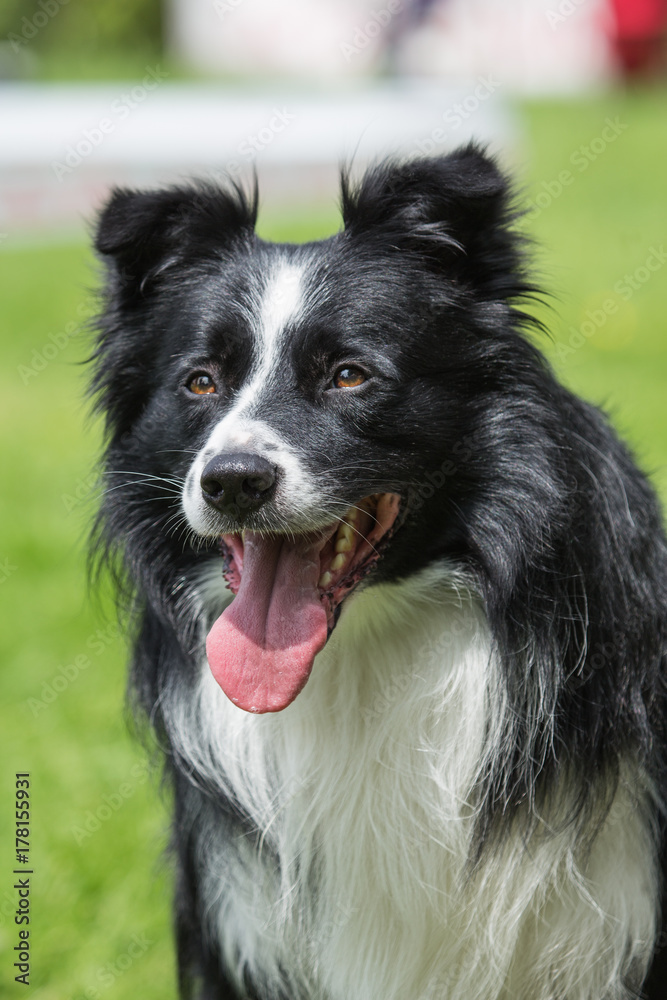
[[281, 303], [242, 427]]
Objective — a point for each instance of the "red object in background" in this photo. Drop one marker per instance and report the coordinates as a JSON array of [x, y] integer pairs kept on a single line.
[[638, 34]]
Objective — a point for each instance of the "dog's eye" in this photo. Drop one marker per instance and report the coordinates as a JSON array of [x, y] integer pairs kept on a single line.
[[201, 384], [348, 377]]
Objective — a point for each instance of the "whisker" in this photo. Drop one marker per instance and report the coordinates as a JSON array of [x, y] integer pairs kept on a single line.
[[178, 451], [175, 492], [136, 502], [353, 507], [172, 486], [147, 476]]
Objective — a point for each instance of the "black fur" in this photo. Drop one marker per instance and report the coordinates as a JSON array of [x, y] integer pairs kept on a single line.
[[533, 493]]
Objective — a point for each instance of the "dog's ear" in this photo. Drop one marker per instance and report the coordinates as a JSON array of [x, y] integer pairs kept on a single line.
[[141, 237], [140, 233], [454, 210]]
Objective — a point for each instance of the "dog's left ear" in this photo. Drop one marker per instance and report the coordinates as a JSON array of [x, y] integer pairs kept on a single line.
[[454, 210], [142, 232]]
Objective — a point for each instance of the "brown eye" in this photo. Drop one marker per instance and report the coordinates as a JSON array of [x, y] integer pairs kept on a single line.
[[201, 384], [348, 377]]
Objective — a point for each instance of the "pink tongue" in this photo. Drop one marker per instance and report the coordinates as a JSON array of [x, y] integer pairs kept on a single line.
[[261, 648]]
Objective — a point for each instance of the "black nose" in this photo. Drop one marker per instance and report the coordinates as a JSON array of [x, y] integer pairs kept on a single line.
[[238, 483]]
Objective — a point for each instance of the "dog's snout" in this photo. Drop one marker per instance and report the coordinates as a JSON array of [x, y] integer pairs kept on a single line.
[[239, 482]]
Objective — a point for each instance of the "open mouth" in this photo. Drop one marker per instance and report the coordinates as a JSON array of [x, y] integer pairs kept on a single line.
[[289, 589]]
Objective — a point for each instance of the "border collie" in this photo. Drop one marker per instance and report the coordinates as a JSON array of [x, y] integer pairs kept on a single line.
[[400, 601]]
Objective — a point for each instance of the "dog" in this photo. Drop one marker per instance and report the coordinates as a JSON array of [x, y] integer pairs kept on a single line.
[[399, 600]]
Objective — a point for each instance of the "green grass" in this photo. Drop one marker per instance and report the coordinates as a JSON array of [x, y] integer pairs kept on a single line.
[[92, 894], [602, 227]]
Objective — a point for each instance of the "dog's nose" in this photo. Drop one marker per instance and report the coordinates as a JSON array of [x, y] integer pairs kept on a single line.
[[238, 483]]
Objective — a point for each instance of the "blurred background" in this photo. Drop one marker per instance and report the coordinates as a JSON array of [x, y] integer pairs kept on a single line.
[[571, 95]]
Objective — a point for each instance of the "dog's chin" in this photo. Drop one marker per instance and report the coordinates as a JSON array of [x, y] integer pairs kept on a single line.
[[289, 588]]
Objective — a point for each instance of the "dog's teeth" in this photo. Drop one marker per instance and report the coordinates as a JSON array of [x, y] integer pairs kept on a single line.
[[354, 513], [345, 538], [338, 561], [365, 506], [325, 579]]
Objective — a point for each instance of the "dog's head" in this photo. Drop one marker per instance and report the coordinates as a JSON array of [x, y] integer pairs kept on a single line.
[[319, 403]]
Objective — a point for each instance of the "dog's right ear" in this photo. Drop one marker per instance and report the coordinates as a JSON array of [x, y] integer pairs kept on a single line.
[[455, 211], [141, 233]]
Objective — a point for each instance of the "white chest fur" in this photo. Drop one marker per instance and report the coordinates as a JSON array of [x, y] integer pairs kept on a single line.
[[362, 790]]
